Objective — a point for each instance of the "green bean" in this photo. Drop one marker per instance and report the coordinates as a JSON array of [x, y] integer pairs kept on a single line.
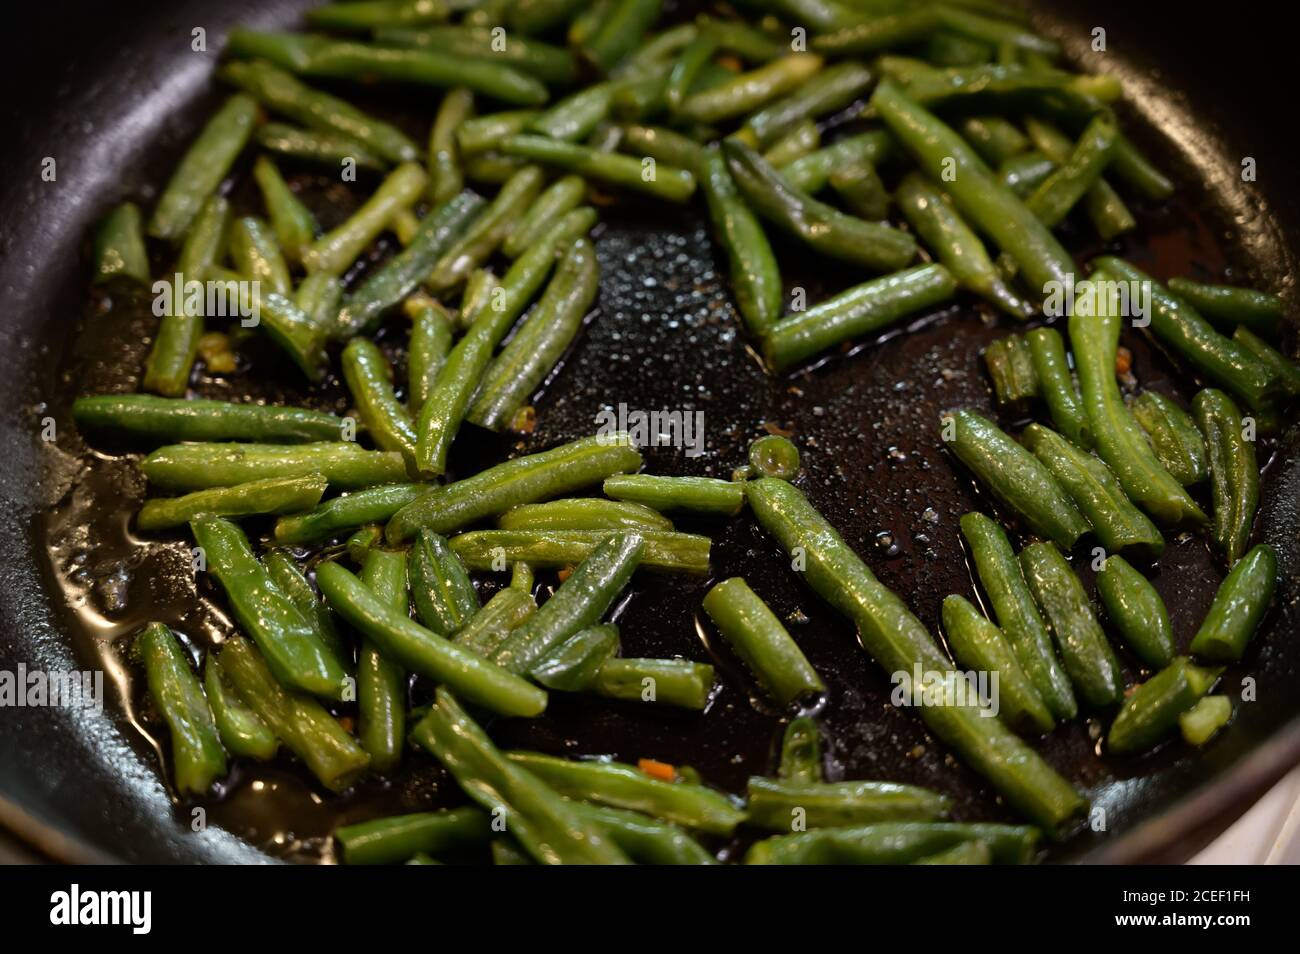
[[1137, 611], [440, 232], [1137, 171], [940, 227], [505, 611], [299, 722], [657, 50], [747, 42], [273, 495], [1015, 477], [336, 250], [360, 544], [538, 818], [665, 551], [1024, 173], [1202, 721], [1109, 215], [1087, 656], [445, 598], [318, 146], [665, 182], [670, 682], [700, 494], [538, 16], [899, 643], [549, 63], [620, 32], [802, 139], [242, 732], [540, 342], [285, 574], [318, 297], [486, 233], [861, 190], [966, 853], [492, 168], [878, 34], [1056, 386], [585, 513], [756, 277], [801, 752], [1234, 473], [1224, 362], [1011, 368], [1260, 312], [1287, 371], [829, 231], [811, 173], [446, 178], [777, 805], [828, 91], [747, 92], [1239, 605], [820, 16], [1151, 711], [562, 196], [762, 643], [995, 138], [368, 377], [204, 165], [145, 417], [667, 146], [119, 246], [362, 16], [645, 840], [429, 342], [857, 312], [574, 664], [483, 133], [977, 193], [1077, 173], [686, 70], [381, 684], [1016, 614], [994, 31], [774, 456], [345, 59], [643, 93], [521, 575], [622, 786], [476, 295], [894, 843], [423, 651], [197, 756], [293, 647], [376, 505], [392, 840], [1117, 524], [282, 93], [581, 601], [295, 332], [934, 88], [295, 227], [1119, 439], [196, 466], [528, 479], [1173, 436]]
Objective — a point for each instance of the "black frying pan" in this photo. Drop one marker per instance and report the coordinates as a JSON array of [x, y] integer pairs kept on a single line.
[[113, 93]]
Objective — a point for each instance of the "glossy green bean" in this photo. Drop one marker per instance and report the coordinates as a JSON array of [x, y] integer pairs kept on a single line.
[[1056, 385], [1024, 173], [561, 197], [1109, 215], [483, 133], [291, 580], [749, 91], [583, 513], [828, 91], [336, 250], [364, 540], [317, 146], [1011, 369], [1239, 605], [196, 466], [811, 173], [667, 146], [427, 347], [1287, 371], [446, 177], [995, 138], [892, 843], [1202, 721], [1077, 173], [119, 246], [538, 16], [318, 297], [1151, 711], [198, 758], [665, 551], [574, 664], [1137, 611], [242, 731], [445, 598], [663, 182], [488, 230], [878, 34], [145, 417], [778, 805], [745, 41], [381, 684], [487, 629], [1231, 306], [645, 840], [294, 225], [1173, 437], [362, 16], [274, 495], [549, 63], [801, 752], [369, 380], [620, 32], [699, 494], [392, 840], [375, 505], [1234, 473], [686, 70], [669, 682]]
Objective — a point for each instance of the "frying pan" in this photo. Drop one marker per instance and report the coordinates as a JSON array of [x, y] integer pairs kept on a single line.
[[113, 92]]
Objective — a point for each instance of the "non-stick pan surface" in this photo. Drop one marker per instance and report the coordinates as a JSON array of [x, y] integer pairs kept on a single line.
[[113, 93]]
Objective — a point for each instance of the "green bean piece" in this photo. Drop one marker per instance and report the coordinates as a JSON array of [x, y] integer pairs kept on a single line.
[[574, 664], [860, 188], [541, 341], [317, 146], [1056, 385], [994, 31], [1014, 476], [562, 196], [301, 723], [294, 648], [1016, 613], [1137, 611], [686, 70], [857, 312], [936, 88], [362, 542], [349, 60], [527, 479], [1024, 173], [147, 418], [549, 63], [1076, 174], [167, 370], [295, 332], [749, 91], [1151, 711], [1173, 437], [340, 514], [774, 456], [541, 821], [119, 246], [294, 225], [642, 93], [445, 598], [538, 16], [1109, 215], [761, 641], [486, 233], [980, 646], [700, 494], [392, 840], [521, 575], [273, 495], [580, 601], [966, 853], [995, 138], [667, 146], [665, 551], [669, 682], [446, 177], [1119, 439], [1087, 656], [745, 41], [285, 574], [242, 732], [1138, 172], [888, 843], [203, 167], [381, 684], [583, 513], [429, 342], [318, 297], [336, 250], [1229, 306], [779, 805], [576, 116], [620, 32], [899, 642], [801, 140], [811, 173], [484, 133], [616, 785], [645, 840], [1217, 358], [1117, 524], [1202, 721], [362, 16], [281, 92], [1239, 605], [477, 294], [658, 49], [439, 233], [879, 33], [663, 182], [1011, 368], [369, 380], [825, 229], [423, 651], [1234, 473], [977, 193], [492, 168], [829, 91], [196, 466], [197, 756], [1287, 371], [505, 611], [801, 752], [941, 228]]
